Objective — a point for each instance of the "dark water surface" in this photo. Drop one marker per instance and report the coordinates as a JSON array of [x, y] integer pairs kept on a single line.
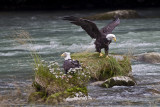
[[53, 36]]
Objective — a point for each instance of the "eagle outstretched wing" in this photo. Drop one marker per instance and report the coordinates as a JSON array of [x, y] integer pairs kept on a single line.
[[109, 28], [87, 25]]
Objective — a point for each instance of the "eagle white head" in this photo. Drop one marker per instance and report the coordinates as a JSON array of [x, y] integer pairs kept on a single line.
[[111, 37], [66, 55]]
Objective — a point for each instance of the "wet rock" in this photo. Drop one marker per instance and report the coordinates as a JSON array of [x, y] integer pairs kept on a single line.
[[118, 81], [152, 57], [123, 14]]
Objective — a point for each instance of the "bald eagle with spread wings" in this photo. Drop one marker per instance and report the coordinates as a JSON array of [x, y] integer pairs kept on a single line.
[[103, 36]]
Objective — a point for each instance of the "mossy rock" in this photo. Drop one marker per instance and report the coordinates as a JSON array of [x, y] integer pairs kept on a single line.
[[47, 82], [123, 14], [102, 68], [61, 96], [69, 93], [55, 98], [118, 81], [48, 85], [36, 97]]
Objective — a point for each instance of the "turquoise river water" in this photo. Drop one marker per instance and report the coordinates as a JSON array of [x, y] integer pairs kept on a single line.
[[53, 36]]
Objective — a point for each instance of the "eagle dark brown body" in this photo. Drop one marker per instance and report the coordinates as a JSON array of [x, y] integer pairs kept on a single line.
[[68, 64], [100, 35], [102, 43]]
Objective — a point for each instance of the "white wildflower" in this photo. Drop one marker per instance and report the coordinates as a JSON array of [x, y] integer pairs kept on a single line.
[[67, 80], [42, 61], [56, 76], [80, 68], [54, 73], [69, 76], [56, 63], [63, 76], [58, 69], [49, 66], [52, 69]]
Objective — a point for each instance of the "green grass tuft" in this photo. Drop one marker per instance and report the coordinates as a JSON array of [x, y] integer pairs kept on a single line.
[[102, 68]]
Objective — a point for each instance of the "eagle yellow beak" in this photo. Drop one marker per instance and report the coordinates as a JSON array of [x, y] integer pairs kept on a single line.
[[114, 39], [63, 55]]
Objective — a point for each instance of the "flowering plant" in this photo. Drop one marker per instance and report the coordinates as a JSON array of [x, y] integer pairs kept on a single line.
[[52, 70]]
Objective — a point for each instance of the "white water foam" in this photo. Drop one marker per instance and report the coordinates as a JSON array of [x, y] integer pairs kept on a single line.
[[8, 54]]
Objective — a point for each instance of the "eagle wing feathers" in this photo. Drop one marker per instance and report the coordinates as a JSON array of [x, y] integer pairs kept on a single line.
[[70, 64], [109, 28], [87, 25]]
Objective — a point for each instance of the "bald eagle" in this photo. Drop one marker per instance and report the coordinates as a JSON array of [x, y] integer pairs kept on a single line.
[[103, 36], [69, 63]]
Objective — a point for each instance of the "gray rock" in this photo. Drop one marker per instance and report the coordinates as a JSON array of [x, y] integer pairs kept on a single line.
[[118, 81], [152, 57], [122, 14]]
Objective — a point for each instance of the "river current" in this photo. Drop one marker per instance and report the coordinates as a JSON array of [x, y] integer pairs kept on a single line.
[[52, 36]]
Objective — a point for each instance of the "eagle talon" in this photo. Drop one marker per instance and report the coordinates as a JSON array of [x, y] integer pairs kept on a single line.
[[100, 55]]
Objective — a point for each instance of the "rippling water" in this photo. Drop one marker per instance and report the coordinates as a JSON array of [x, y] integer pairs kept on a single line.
[[53, 36]]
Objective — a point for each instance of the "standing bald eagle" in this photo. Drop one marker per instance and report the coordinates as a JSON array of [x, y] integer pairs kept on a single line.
[[69, 63], [103, 36]]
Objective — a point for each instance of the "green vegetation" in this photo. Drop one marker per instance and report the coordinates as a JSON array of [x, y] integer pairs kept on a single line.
[[102, 68], [53, 86]]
